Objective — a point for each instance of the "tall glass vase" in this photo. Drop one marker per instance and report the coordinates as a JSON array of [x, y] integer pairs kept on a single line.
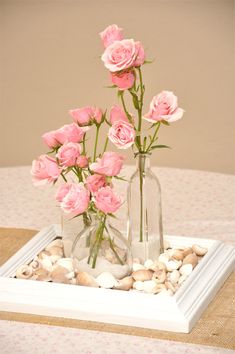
[[144, 227]]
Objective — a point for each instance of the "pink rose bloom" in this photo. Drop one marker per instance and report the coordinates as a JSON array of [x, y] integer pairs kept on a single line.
[[95, 182], [44, 170], [122, 55], [76, 200], [117, 114], [140, 57], [109, 165], [85, 116], [70, 133], [122, 134], [107, 200], [96, 114], [164, 106], [50, 140], [68, 154], [123, 80], [62, 191], [82, 161], [110, 34]]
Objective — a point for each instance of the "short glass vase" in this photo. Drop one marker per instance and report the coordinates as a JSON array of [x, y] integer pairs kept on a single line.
[[98, 247]]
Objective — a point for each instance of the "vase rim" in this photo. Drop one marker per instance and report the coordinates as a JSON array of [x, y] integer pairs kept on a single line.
[[143, 154]]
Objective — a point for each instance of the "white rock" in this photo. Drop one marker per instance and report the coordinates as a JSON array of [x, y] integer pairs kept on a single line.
[[66, 263], [137, 266], [150, 286], [172, 265], [119, 271], [46, 264], [164, 258], [174, 276], [148, 263], [106, 280], [70, 275], [186, 269], [138, 285], [54, 258]]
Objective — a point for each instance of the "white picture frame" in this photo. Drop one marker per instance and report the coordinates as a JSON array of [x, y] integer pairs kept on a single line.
[[177, 313]]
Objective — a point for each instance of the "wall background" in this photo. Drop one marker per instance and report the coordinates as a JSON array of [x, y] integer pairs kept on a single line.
[[50, 63]]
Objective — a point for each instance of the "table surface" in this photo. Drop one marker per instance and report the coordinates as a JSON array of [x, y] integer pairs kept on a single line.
[[195, 203]]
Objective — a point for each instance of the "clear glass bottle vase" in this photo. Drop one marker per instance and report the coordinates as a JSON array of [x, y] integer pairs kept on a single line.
[[99, 247], [144, 226]]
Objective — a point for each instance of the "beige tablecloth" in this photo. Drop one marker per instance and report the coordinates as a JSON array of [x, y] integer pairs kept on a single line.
[[195, 203]]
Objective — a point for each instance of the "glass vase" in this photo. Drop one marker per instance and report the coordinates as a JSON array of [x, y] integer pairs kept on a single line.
[[144, 226], [99, 247]]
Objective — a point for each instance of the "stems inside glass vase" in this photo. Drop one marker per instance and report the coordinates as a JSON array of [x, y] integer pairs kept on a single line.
[[94, 249], [141, 177]]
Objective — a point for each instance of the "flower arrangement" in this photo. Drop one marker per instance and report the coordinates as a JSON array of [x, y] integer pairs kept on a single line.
[[88, 188], [124, 59]]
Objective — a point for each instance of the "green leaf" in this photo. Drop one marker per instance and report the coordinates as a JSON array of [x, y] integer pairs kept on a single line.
[[119, 93], [106, 120], [113, 86], [121, 178], [135, 100], [160, 147], [149, 61], [165, 122], [112, 215]]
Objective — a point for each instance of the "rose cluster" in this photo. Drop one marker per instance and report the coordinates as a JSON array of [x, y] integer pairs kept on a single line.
[[88, 185], [93, 189], [124, 58]]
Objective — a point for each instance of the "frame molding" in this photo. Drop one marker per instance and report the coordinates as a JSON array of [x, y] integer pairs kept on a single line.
[[177, 313]]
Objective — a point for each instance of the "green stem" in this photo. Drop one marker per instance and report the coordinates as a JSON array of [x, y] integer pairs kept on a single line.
[[111, 243], [140, 109], [96, 141], [106, 144], [141, 170], [96, 246], [63, 176], [158, 124], [124, 107], [84, 144]]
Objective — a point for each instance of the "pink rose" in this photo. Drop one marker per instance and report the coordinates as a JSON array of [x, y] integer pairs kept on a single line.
[[117, 114], [44, 170], [86, 115], [50, 140], [62, 191], [110, 34], [164, 106], [68, 154], [96, 114], [70, 133], [122, 55], [109, 165], [107, 200], [76, 200], [123, 80], [140, 57], [82, 161], [95, 182], [122, 134]]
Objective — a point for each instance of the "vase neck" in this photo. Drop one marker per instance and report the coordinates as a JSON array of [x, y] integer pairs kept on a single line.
[[143, 161]]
